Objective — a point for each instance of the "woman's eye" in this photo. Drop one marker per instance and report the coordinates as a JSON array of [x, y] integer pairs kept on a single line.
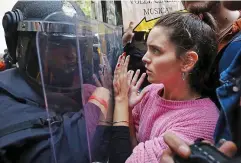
[[155, 51]]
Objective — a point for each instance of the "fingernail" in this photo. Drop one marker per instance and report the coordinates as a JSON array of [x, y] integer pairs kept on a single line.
[[124, 54], [184, 149], [220, 143], [118, 65]]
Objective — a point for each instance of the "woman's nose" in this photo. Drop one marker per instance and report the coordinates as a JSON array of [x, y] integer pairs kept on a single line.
[[146, 59]]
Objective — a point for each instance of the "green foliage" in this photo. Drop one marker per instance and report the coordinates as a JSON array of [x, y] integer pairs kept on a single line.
[[85, 5]]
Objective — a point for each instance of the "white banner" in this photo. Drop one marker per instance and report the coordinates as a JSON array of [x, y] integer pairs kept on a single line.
[[144, 13]]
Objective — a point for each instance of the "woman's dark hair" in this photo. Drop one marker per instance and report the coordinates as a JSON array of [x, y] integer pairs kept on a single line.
[[197, 33]]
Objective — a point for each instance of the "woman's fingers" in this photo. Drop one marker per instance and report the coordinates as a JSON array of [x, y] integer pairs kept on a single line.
[[122, 61], [121, 68], [101, 77], [101, 66], [130, 76], [118, 63], [124, 67], [117, 67], [127, 59], [97, 82], [177, 145], [228, 148], [140, 81], [116, 79], [106, 62], [134, 80]]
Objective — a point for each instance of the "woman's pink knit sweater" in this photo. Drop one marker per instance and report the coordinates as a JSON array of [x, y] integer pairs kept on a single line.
[[154, 116]]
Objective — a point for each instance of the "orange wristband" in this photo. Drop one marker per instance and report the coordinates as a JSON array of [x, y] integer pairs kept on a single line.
[[101, 101]]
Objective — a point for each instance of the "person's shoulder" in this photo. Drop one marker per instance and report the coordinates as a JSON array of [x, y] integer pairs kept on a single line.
[[234, 43], [230, 52], [206, 105]]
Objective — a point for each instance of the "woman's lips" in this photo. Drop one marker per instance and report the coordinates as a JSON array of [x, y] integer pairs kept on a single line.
[[148, 71]]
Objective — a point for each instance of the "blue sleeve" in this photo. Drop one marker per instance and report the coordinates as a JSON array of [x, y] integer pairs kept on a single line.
[[229, 68], [231, 51]]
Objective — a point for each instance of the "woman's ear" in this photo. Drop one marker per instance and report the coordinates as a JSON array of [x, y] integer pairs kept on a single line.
[[188, 61]]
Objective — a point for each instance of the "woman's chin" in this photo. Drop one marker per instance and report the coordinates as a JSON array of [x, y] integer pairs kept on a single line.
[[150, 79], [153, 80]]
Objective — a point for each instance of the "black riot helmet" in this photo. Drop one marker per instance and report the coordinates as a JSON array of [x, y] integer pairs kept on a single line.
[[41, 35], [31, 11], [21, 25]]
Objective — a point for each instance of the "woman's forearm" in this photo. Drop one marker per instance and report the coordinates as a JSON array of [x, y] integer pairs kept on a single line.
[[107, 119], [121, 112]]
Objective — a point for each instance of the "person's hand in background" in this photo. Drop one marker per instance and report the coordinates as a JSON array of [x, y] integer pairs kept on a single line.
[[181, 148], [105, 75], [128, 35]]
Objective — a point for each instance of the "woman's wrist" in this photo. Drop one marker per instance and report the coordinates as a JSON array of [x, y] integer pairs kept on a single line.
[[121, 123], [121, 112], [101, 101], [121, 105], [106, 121], [121, 99]]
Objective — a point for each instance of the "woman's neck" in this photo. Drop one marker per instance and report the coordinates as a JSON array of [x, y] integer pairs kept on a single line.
[[179, 92]]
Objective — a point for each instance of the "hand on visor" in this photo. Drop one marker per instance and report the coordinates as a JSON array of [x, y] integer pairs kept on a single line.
[[100, 98], [105, 81], [105, 74], [122, 78]]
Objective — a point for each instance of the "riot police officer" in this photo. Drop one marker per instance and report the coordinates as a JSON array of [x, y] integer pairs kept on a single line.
[[49, 46]]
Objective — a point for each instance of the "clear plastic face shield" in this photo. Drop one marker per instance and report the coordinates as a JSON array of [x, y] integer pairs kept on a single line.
[[76, 61]]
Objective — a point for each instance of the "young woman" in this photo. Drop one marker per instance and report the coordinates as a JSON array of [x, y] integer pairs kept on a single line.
[[181, 49]]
